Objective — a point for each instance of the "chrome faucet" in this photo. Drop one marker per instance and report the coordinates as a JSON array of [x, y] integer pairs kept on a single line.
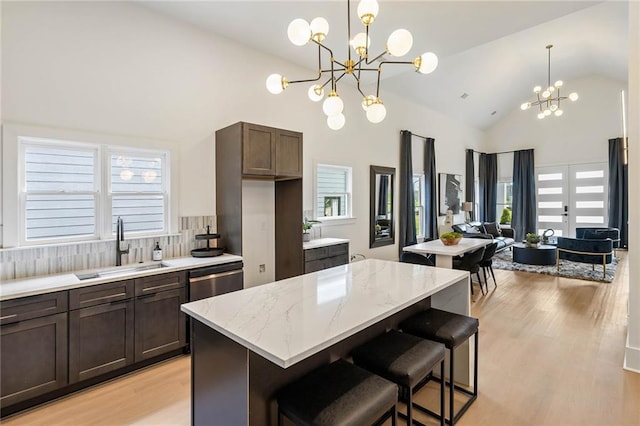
[[120, 242]]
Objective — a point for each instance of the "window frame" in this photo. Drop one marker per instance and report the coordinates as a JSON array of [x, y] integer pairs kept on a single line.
[[419, 208], [348, 193], [102, 188]]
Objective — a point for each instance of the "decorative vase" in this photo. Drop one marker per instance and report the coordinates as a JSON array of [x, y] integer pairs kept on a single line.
[[306, 237]]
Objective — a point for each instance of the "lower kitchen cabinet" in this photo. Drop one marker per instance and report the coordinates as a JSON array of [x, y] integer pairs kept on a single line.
[[316, 259], [34, 357], [100, 339], [160, 326]]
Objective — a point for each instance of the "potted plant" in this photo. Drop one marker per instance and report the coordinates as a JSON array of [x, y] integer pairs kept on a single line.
[[532, 239], [306, 228]]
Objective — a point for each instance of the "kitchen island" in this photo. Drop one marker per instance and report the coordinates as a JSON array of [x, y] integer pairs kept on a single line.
[[248, 344]]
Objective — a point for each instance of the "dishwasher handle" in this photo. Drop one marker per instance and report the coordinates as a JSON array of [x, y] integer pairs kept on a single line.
[[215, 275]]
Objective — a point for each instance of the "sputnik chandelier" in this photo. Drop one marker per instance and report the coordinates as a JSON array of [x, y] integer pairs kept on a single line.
[[398, 44], [549, 99]]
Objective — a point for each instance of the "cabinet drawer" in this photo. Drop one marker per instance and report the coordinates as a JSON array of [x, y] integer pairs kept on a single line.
[[337, 260], [338, 249], [316, 253], [100, 293], [156, 283], [37, 306]]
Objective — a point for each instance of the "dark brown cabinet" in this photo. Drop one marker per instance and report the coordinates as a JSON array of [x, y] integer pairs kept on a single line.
[[101, 329], [319, 258], [160, 325], [33, 347], [270, 152], [246, 151]]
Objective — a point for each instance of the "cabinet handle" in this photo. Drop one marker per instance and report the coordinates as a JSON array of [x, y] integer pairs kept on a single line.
[[155, 288], [6, 317]]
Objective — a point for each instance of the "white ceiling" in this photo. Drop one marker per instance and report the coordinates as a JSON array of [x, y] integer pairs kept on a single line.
[[493, 51]]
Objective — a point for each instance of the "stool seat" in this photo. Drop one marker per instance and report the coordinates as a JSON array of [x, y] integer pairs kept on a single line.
[[339, 393], [402, 358], [441, 326]]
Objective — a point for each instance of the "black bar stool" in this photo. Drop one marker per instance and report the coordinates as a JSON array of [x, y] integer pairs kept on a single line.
[[405, 360], [339, 393], [452, 330]]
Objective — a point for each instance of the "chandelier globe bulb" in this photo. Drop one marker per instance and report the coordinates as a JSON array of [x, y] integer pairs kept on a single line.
[[551, 89], [558, 112], [276, 84], [525, 106], [426, 63], [399, 42], [558, 84], [332, 105], [541, 115], [573, 96], [316, 92], [368, 101], [546, 94], [319, 29], [547, 112], [537, 89], [299, 32], [367, 11], [376, 111], [361, 43], [336, 122]]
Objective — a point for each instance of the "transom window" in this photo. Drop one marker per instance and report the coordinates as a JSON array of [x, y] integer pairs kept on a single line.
[[75, 191], [333, 191]]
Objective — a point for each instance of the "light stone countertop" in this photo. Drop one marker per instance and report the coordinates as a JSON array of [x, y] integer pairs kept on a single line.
[[323, 242], [289, 320], [50, 283]]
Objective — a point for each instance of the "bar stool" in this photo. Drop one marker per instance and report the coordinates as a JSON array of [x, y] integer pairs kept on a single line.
[[405, 360], [452, 330], [339, 393]]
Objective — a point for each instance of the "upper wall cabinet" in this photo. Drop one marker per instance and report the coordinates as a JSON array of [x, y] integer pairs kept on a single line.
[[270, 152]]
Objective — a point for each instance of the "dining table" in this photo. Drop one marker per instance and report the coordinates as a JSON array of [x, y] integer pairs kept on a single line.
[[444, 253]]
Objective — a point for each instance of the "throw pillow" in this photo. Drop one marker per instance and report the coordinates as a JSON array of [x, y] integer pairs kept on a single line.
[[492, 228]]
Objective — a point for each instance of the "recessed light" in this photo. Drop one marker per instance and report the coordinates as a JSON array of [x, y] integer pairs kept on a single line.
[[494, 112], [464, 96]]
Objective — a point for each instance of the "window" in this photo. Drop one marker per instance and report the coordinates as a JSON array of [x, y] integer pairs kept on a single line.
[[67, 197], [504, 200], [333, 191], [418, 198]]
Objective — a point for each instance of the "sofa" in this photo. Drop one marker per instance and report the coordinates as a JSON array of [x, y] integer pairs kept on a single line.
[[491, 230], [591, 251]]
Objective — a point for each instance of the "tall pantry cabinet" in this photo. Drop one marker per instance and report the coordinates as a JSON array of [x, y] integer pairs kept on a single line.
[[246, 153]]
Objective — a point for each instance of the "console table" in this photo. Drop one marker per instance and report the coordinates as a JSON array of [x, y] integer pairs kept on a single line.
[[248, 344]]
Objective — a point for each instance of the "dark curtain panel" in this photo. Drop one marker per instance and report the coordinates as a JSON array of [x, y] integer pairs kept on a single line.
[[523, 218], [488, 174], [407, 204], [618, 190], [469, 187], [382, 195], [430, 190]]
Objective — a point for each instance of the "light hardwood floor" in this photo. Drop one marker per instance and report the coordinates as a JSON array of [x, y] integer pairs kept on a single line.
[[551, 352]]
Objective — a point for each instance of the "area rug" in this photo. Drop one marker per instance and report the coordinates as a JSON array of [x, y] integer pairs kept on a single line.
[[568, 269]]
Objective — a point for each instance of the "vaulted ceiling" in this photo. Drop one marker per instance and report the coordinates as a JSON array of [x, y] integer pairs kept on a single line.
[[492, 51]]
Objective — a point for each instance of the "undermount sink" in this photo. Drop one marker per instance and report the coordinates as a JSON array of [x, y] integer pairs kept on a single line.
[[121, 270]]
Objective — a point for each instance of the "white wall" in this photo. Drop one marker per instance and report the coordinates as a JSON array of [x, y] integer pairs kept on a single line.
[[580, 135], [119, 69]]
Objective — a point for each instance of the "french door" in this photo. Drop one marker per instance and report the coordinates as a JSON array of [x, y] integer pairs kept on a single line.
[[571, 196]]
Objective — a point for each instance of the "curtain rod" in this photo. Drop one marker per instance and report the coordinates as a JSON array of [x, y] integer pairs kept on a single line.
[[413, 134], [503, 152]]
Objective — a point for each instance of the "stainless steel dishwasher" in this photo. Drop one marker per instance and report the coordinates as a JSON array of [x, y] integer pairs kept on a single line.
[[215, 280]]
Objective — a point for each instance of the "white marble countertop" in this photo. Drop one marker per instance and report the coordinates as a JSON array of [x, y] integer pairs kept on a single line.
[[290, 320], [50, 283], [438, 247], [323, 242]]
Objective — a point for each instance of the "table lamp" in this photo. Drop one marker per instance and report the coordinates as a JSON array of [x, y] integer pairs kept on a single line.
[[467, 207]]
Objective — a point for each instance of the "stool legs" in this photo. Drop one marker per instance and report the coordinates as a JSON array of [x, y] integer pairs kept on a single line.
[[474, 394]]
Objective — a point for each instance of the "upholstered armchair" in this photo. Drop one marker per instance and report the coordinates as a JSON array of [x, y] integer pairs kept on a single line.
[[594, 252], [599, 234]]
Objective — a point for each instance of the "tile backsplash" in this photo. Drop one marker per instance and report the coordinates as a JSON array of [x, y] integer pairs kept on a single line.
[[23, 262]]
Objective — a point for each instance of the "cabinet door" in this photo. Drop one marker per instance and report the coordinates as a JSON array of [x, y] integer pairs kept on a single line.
[[258, 150], [288, 154], [34, 358], [160, 326], [100, 339]]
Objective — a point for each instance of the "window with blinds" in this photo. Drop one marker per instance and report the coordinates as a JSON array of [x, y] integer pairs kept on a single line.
[[60, 197], [72, 192], [333, 191]]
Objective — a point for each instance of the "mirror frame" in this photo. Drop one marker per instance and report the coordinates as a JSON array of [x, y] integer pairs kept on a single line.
[[391, 239]]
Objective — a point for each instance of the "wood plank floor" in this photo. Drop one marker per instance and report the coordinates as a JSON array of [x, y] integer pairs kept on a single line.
[[551, 352]]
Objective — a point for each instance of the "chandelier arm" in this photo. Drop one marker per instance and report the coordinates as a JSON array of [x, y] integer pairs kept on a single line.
[[549, 66], [348, 29], [377, 57], [333, 86]]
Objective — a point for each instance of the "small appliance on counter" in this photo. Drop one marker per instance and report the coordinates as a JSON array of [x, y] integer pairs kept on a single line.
[[207, 251]]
